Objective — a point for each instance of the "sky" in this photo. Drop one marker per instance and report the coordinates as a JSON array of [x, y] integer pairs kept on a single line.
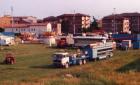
[[45, 8]]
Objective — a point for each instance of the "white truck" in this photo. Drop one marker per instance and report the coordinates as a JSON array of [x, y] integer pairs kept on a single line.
[[64, 59]]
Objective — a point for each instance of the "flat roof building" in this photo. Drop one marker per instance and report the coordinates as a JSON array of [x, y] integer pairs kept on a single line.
[[114, 23]]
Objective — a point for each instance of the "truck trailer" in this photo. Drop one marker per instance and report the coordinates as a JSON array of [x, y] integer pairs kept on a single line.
[[99, 50], [88, 53]]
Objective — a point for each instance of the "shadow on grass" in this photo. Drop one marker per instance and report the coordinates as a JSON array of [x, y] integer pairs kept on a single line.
[[2, 63], [44, 67], [64, 48], [132, 66]]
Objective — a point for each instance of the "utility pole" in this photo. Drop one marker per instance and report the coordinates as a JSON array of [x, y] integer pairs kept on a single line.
[[74, 30], [114, 19], [138, 25], [12, 16]]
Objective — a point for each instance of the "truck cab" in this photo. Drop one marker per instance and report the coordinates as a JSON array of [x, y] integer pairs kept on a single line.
[[61, 59], [64, 59]]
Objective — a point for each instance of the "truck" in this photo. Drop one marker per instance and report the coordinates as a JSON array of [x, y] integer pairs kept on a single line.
[[65, 41], [64, 59], [90, 52], [62, 43]]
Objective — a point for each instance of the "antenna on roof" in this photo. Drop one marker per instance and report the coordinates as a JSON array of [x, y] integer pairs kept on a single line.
[[12, 9], [114, 20]]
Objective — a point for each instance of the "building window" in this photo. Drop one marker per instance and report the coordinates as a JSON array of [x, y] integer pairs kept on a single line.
[[32, 29]]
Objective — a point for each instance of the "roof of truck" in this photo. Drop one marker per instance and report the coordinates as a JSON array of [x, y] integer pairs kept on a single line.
[[90, 37], [61, 53]]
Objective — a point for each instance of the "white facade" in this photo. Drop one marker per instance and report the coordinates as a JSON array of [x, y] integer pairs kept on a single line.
[[85, 22], [58, 30], [126, 27], [32, 19], [16, 30], [35, 28], [50, 41], [49, 28], [6, 40]]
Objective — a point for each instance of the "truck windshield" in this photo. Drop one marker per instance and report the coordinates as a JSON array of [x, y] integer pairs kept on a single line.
[[58, 56]]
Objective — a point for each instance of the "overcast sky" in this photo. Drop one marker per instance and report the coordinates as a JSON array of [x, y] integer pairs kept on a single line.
[[44, 8]]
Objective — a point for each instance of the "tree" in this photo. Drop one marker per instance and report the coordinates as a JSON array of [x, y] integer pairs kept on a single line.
[[1, 29], [85, 30], [94, 25]]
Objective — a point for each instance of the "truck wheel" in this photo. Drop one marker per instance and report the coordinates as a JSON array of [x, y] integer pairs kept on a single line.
[[111, 54], [66, 65], [84, 61], [97, 59], [107, 57], [80, 62]]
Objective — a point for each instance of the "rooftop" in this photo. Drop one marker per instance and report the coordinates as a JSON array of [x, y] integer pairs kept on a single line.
[[122, 16], [25, 25], [70, 15]]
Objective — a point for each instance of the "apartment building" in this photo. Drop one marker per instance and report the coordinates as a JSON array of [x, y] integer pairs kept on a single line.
[[74, 23], [114, 23]]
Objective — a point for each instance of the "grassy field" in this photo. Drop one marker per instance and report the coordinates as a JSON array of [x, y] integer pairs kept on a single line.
[[33, 67]]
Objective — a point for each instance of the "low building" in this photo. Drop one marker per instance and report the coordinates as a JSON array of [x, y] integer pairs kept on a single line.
[[7, 38], [56, 24], [36, 28], [7, 20]]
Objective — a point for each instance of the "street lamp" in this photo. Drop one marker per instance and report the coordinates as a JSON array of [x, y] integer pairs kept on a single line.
[[114, 19]]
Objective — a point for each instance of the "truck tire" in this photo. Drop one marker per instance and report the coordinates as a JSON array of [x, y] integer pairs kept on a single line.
[[107, 57], [80, 62], [66, 65], [97, 59], [111, 54], [84, 61]]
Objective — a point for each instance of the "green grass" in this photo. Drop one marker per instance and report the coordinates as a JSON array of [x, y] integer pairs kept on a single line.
[[33, 67]]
